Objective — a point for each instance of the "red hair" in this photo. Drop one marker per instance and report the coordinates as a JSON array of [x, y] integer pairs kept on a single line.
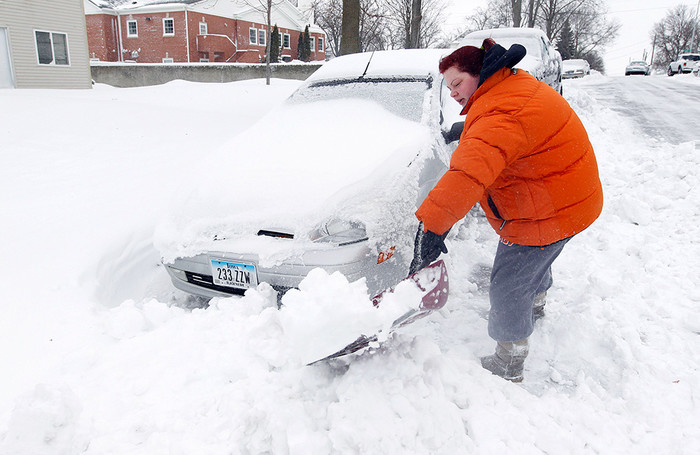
[[468, 59]]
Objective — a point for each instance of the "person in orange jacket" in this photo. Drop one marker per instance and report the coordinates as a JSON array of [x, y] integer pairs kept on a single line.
[[526, 157]]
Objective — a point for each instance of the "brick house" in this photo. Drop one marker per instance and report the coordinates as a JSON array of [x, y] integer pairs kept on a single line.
[[184, 31]]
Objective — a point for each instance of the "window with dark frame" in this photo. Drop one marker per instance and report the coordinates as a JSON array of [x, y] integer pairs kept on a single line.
[[51, 48], [286, 41]]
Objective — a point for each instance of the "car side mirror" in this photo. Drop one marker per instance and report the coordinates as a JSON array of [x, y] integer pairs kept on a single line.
[[454, 132]]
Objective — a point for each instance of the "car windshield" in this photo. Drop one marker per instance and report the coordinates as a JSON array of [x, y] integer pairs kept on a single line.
[[400, 96], [691, 57], [573, 63], [639, 63]]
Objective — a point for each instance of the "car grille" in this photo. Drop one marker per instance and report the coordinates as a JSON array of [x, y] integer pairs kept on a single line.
[[206, 281]]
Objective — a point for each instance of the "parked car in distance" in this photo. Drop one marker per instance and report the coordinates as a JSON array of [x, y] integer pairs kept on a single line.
[[574, 68], [340, 197], [685, 63], [638, 67], [542, 59]]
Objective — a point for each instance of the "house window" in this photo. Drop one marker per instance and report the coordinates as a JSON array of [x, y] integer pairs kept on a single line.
[[168, 60], [312, 44], [132, 30], [262, 34], [286, 40], [168, 26], [320, 44], [203, 29], [51, 48], [253, 35]]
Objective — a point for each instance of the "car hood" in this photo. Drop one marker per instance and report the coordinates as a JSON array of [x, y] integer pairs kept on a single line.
[[294, 169]]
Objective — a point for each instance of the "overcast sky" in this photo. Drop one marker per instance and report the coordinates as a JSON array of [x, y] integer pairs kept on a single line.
[[637, 18]]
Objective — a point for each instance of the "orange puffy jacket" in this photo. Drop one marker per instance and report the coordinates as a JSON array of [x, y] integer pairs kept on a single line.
[[525, 155]]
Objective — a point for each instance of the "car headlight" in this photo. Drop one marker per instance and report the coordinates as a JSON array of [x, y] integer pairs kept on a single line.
[[339, 231]]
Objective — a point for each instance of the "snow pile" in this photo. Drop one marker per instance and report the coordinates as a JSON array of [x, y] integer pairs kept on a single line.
[[232, 199], [102, 355], [327, 313]]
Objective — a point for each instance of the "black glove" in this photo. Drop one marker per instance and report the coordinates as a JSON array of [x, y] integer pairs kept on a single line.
[[426, 249]]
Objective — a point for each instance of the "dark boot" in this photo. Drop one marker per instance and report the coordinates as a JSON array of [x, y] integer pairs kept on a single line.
[[508, 361], [538, 307]]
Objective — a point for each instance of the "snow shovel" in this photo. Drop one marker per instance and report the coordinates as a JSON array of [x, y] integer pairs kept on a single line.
[[432, 280]]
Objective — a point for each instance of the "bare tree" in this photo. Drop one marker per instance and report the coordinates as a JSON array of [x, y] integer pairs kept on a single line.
[[517, 8], [413, 41], [402, 19], [533, 10], [265, 8], [373, 28], [496, 14], [590, 28], [329, 16], [350, 31], [672, 35]]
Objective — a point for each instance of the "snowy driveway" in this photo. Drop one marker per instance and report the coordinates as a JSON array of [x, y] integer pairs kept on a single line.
[[663, 108]]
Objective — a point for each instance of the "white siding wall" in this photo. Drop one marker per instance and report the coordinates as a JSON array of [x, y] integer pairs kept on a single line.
[[22, 18]]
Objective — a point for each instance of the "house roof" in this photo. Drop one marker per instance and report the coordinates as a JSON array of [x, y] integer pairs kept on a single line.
[[137, 3]]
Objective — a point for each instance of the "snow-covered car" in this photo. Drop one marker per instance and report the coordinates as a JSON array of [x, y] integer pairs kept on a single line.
[[638, 67], [542, 59], [574, 68], [685, 63], [329, 180]]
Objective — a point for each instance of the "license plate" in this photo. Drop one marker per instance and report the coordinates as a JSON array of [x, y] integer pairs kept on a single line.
[[233, 274]]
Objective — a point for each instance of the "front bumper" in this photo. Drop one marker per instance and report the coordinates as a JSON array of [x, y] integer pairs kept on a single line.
[[572, 75], [194, 276]]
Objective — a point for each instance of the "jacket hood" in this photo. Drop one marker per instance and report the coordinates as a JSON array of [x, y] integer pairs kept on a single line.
[[498, 57]]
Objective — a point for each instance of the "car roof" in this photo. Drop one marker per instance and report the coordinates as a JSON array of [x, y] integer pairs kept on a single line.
[[401, 62], [506, 37], [506, 32]]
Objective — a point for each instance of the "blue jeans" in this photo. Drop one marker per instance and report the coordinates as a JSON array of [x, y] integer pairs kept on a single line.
[[519, 273]]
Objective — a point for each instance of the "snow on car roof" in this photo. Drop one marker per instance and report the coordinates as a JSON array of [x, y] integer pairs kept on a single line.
[[507, 32], [405, 62]]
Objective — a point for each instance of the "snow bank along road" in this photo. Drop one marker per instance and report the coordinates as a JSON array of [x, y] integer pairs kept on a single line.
[[663, 108], [99, 355]]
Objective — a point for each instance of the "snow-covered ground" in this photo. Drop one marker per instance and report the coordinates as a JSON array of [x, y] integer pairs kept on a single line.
[[101, 356]]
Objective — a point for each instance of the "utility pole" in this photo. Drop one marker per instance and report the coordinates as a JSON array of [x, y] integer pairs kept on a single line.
[[653, 46]]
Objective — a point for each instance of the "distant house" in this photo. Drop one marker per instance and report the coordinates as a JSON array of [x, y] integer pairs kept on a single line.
[[43, 44], [184, 31]]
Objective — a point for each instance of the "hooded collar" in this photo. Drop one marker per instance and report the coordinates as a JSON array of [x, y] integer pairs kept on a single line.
[[496, 61]]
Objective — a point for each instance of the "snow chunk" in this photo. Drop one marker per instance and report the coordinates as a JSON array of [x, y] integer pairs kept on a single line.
[[327, 313]]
